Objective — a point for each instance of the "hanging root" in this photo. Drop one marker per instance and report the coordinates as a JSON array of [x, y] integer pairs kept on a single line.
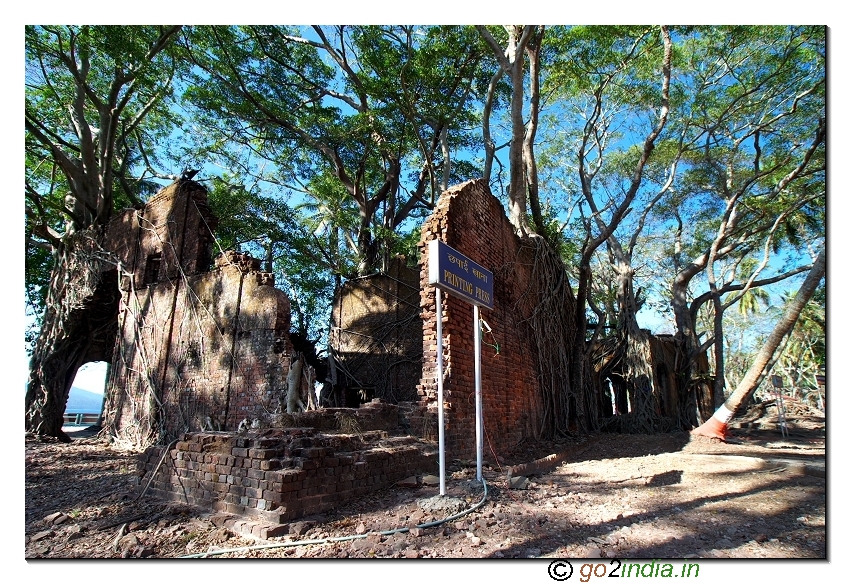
[[551, 330], [76, 317], [635, 364]]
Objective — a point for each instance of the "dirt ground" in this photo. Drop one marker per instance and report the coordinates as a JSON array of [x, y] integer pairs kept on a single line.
[[614, 497]]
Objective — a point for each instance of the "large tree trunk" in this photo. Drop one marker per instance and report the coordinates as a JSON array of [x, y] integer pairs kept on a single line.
[[695, 391], [294, 404], [552, 336], [79, 326], [718, 425], [511, 61], [634, 353], [636, 358], [367, 249]]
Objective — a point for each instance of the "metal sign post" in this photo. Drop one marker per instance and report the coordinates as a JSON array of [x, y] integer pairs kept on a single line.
[[455, 273], [479, 414], [780, 404], [440, 424]]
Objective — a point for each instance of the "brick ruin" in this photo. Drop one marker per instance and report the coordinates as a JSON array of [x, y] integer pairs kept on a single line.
[[470, 219], [376, 335], [279, 475], [203, 347], [200, 344], [216, 364]]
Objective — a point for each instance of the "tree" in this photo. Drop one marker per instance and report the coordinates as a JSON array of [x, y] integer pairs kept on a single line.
[[753, 182], [89, 93], [522, 41], [550, 327], [717, 426], [615, 81], [363, 110], [633, 342], [738, 169]]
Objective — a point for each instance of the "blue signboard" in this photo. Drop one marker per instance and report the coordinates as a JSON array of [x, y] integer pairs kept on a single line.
[[457, 274]]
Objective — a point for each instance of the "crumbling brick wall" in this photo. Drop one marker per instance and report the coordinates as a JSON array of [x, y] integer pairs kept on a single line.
[[470, 219], [197, 347], [376, 333], [279, 475]]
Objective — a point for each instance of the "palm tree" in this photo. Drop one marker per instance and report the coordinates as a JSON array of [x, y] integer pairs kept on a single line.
[[717, 426]]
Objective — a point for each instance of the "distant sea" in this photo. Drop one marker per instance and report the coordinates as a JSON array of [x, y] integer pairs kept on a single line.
[[82, 401]]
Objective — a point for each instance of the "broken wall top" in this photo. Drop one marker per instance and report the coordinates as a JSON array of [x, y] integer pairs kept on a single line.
[[171, 236]]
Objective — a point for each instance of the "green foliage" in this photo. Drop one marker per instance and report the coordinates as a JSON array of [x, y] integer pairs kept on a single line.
[[625, 58], [353, 111], [338, 132], [96, 100], [247, 218], [270, 229], [117, 67], [344, 120], [752, 300]]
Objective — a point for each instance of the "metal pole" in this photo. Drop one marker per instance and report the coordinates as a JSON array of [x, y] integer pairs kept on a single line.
[[780, 407], [441, 432], [479, 421]]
